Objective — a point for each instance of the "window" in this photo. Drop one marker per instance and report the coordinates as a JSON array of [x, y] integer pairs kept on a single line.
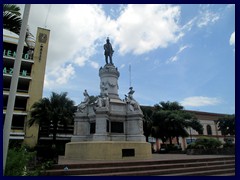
[[92, 127], [117, 127], [209, 130]]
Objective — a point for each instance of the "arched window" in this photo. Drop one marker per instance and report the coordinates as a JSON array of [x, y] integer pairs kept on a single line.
[[209, 130]]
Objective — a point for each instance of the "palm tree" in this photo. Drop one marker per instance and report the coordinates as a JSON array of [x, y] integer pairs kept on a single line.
[[53, 112], [11, 18]]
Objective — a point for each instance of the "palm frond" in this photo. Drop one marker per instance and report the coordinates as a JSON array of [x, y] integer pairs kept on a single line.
[[11, 18], [12, 8]]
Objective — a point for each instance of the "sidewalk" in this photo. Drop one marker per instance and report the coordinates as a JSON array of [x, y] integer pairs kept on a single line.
[[157, 157]]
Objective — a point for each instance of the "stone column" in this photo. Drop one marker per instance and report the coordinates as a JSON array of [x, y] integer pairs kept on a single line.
[[81, 127], [109, 78], [134, 127], [101, 133]]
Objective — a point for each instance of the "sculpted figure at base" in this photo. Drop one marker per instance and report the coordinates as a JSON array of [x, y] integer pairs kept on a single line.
[[133, 104], [108, 51], [84, 103], [103, 100]]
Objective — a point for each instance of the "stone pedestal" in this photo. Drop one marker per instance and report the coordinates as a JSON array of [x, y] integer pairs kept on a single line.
[[134, 126], [101, 125], [108, 150]]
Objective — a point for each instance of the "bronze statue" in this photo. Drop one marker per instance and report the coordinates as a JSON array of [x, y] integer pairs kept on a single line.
[[108, 51]]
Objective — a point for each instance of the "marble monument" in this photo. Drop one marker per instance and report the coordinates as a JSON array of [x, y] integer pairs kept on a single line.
[[109, 128]]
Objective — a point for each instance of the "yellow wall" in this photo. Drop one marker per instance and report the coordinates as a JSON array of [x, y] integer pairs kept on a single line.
[[36, 85], [106, 150]]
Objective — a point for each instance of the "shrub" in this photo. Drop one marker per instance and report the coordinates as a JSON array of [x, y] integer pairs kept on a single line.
[[205, 143], [17, 161], [21, 162], [191, 146]]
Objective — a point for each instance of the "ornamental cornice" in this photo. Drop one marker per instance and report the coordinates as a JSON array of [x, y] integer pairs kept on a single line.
[[109, 69]]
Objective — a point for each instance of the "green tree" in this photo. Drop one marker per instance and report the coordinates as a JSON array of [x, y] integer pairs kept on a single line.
[[53, 112], [147, 121], [170, 120], [12, 18], [226, 125]]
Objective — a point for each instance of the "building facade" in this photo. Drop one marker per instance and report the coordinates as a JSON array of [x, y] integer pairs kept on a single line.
[[210, 129], [30, 83]]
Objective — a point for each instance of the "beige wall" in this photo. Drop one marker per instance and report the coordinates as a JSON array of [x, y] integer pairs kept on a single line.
[[36, 85]]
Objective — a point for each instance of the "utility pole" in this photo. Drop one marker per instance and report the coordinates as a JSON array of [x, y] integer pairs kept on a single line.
[[14, 83]]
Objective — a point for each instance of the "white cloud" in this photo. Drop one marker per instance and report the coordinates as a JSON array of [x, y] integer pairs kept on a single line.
[[94, 64], [207, 17], [197, 101], [81, 61], [182, 48], [74, 30], [122, 66], [172, 59], [232, 39], [59, 76], [188, 26], [143, 28], [175, 57]]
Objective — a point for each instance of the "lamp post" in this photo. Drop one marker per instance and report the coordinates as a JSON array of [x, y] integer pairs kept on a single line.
[[13, 86]]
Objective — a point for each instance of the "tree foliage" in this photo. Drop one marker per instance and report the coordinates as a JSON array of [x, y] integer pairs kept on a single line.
[[58, 110], [147, 121], [12, 18], [169, 120], [226, 125]]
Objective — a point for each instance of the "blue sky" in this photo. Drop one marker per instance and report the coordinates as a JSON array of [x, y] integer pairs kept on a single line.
[[183, 53]]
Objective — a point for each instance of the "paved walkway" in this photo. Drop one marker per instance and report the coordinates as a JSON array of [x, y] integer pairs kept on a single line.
[[62, 160]]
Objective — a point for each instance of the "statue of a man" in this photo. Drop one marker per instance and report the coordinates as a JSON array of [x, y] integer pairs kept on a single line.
[[108, 51]]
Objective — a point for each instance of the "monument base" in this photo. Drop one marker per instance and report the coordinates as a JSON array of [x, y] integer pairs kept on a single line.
[[108, 150]]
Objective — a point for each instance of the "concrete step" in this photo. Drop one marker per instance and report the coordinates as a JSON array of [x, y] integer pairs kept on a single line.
[[196, 171], [208, 166], [215, 172], [133, 163], [225, 174], [135, 167]]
